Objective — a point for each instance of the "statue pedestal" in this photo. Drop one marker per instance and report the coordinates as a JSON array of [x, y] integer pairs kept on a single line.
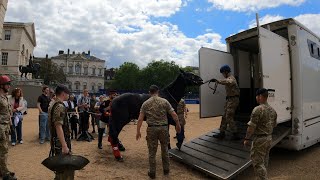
[[31, 89]]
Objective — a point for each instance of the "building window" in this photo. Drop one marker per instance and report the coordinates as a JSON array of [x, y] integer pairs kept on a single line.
[[70, 86], [84, 85], [78, 69], [70, 69], [100, 72], [99, 86], [7, 34], [93, 87], [312, 52], [93, 70], [318, 52], [62, 67], [4, 58], [85, 69], [77, 84]]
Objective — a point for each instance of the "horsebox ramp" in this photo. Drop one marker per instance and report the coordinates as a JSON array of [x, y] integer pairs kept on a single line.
[[221, 159]]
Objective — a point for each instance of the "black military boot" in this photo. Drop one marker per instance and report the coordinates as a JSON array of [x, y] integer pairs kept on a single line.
[[100, 135], [235, 136], [9, 176], [151, 175], [220, 135], [166, 172], [179, 144]]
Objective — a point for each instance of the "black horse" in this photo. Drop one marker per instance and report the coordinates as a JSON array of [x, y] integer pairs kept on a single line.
[[127, 106], [34, 70]]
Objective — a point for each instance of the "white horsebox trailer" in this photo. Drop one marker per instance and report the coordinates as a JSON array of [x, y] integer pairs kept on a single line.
[[281, 56]]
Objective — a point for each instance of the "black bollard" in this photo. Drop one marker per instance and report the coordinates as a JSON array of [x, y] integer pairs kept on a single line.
[[64, 166], [85, 135]]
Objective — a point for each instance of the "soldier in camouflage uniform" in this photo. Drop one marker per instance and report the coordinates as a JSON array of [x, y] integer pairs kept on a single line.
[[181, 112], [59, 127], [263, 120], [232, 102], [5, 122], [155, 111]]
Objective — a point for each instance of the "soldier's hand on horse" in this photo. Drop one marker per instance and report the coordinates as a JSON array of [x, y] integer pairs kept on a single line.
[[178, 128], [138, 136]]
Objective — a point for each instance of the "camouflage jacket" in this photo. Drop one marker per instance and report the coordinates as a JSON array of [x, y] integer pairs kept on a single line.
[[231, 85], [155, 110], [263, 119], [58, 114], [5, 110], [181, 112]]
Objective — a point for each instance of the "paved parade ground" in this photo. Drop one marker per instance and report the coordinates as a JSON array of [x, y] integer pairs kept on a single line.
[[25, 159]]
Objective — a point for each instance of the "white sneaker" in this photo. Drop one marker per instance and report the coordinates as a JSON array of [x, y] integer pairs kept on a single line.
[[13, 144], [21, 142]]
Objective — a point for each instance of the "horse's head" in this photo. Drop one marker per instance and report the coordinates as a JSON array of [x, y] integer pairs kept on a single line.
[[191, 79]]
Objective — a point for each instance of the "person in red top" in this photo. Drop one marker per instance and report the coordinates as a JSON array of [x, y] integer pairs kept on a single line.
[[17, 104]]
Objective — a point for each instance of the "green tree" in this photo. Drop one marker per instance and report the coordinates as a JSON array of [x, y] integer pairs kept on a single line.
[[126, 77], [50, 73], [160, 73]]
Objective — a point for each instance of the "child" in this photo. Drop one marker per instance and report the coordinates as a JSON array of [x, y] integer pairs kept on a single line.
[[73, 116]]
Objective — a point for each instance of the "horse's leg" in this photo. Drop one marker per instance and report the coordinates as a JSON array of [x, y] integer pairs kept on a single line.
[[118, 120]]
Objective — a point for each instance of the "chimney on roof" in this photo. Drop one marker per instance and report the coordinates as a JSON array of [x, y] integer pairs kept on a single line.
[[47, 57], [89, 53], [61, 52], [68, 52]]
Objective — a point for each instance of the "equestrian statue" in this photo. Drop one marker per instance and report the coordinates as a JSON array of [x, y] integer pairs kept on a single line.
[[33, 68]]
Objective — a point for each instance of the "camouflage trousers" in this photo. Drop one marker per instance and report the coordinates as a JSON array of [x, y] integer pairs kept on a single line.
[[4, 139], [154, 135], [260, 156], [228, 117]]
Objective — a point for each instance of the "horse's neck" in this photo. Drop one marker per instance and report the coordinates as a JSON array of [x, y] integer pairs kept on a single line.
[[176, 89]]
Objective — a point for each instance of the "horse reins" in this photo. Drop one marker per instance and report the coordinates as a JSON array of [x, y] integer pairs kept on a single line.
[[214, 89]]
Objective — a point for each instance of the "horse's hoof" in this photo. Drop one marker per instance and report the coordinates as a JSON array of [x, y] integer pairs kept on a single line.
[[121, 148], [119, 159]]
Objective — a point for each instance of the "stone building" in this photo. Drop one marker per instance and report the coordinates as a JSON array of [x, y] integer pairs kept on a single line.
[[83, 71], [18, 42], [3, 10]]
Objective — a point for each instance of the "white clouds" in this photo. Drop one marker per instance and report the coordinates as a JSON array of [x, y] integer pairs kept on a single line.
[[115, 30], [311, 21], [307, 20], [252, 5], [265, 20]]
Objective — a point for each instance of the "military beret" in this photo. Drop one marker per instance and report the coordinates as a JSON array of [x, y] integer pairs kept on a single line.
[[153, 88], [261, 91]]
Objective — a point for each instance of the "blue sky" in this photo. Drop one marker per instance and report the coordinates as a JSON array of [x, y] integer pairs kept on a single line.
[[140, 31], [198, 16]]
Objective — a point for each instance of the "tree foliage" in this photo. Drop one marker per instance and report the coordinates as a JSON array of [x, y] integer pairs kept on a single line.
[[50, 73], [161, 73], [127, 77]]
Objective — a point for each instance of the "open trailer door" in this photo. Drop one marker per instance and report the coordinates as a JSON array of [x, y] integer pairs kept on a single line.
[[276, 72], [210, 62]]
